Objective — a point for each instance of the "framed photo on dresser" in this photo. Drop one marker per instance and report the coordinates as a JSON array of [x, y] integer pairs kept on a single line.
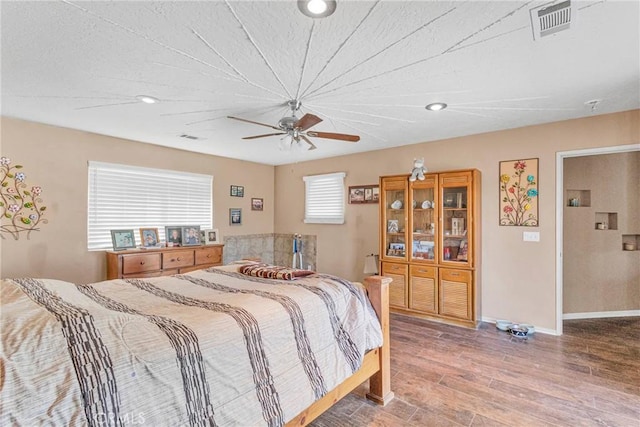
[[123, 239], [210, 236], [190, 235], [149, 237], [173, 234]]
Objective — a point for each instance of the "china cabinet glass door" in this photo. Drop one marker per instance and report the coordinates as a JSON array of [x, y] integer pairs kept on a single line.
[[455, 208], [394, 196], [424, 219]]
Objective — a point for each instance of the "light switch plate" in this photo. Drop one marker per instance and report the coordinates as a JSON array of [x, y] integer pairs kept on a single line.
[[531, 236]]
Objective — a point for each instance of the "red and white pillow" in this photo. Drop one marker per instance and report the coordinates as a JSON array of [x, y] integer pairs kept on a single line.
[[266, 271]]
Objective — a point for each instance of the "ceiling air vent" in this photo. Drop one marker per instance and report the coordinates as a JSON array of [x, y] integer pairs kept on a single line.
[[184, 135], [552, 18]]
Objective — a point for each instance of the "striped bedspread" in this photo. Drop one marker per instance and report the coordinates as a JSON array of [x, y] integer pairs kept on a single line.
[[212, 347]]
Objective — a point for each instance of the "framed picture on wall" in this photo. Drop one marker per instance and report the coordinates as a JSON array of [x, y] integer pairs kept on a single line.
[[123, 239], [235, 216], [257, 204], [237, 191], [518, 186], [361, 194]]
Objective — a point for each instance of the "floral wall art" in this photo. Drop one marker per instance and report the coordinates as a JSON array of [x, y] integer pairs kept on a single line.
[[519, 192], [21, 208]]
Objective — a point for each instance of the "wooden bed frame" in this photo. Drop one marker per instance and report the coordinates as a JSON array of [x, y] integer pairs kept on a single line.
[[375, 367]]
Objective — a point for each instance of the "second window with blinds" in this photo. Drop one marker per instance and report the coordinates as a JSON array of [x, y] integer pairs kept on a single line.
[[324, 198]]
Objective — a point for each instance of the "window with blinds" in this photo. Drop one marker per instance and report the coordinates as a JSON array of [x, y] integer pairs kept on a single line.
[[130, 197], [324, 199]]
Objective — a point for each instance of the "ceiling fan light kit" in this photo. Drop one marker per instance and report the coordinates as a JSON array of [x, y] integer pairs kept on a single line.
[[317, 8]]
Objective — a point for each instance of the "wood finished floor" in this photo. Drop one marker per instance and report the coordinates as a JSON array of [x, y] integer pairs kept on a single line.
[[448, 376]]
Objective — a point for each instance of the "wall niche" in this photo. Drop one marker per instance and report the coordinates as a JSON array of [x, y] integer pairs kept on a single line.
[[578, 198], [631, 242], [606, 221]]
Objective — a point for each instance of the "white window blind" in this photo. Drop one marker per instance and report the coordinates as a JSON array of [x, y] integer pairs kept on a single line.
[[130, 197], [324, 198]]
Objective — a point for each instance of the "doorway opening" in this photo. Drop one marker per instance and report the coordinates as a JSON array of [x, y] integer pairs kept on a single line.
[[560, 196]]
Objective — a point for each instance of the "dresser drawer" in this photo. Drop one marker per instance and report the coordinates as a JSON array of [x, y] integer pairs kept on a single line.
[[161, 261], [134, 264], [212, 255], [176, 259]]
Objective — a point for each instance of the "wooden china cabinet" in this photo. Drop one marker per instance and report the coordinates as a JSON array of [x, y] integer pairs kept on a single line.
[[430, 245]]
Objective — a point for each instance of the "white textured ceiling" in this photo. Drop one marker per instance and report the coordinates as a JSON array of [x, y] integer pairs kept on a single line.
[[369, 69]]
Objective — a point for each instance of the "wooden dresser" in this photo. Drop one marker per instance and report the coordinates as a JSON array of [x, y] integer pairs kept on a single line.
[[161, 261]]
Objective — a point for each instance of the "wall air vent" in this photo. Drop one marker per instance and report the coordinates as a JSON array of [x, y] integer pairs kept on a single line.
[[184, 135], [552, 18]]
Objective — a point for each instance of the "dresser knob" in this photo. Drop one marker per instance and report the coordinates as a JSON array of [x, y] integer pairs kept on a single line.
[[141, 262]]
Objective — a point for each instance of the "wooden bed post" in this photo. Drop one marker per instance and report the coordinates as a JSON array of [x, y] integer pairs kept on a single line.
[[380, 383]]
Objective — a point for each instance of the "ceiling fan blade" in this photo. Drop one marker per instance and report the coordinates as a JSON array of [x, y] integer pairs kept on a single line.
[[262, 136], [251, 121], [307, 121], [339, 136], [308, 141]]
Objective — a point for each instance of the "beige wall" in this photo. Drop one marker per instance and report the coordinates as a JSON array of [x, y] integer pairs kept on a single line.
[[56, 159], [598, 275], [518, 278]]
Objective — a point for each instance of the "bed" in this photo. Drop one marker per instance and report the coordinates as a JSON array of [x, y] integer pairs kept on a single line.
[[221, 346]]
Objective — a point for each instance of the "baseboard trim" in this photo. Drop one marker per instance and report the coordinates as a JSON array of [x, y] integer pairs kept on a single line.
[[575, 316], [600, 314]]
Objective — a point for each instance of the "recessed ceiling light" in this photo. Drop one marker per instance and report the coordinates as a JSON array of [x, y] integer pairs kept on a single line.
[[317, 8], [436, 106], [147, 99]]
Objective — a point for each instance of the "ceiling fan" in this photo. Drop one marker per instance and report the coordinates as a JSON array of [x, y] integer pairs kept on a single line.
[[298, 129]]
